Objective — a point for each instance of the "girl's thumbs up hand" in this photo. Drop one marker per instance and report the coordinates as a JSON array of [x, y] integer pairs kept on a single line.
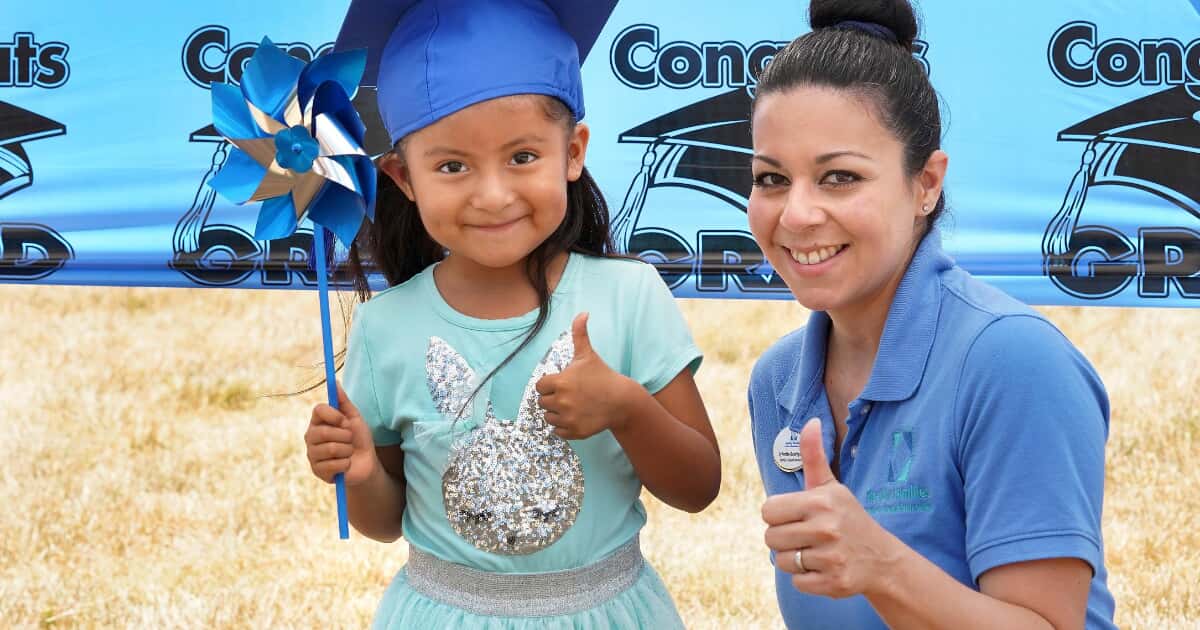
[[339, 441], [588, 396]]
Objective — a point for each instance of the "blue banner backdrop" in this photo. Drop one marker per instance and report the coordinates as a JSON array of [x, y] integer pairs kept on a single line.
[[1073, 129]]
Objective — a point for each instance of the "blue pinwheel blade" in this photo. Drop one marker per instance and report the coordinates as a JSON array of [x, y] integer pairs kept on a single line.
[[344, 69], [238, 178], [230, 116], [367, 176], [340, 210], [330, 100], [276, 219], [269, 78]]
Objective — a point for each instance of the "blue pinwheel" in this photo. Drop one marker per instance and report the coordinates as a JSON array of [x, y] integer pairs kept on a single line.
[[299, 142], [299, 151]]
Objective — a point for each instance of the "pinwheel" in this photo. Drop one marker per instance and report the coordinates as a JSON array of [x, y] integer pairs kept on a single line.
[[299, 152]]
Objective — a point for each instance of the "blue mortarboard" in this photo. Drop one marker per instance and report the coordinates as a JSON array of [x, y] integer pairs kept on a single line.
[[431, 58]]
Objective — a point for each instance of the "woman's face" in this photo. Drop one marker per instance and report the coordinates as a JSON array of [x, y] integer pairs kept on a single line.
[[833, 208]]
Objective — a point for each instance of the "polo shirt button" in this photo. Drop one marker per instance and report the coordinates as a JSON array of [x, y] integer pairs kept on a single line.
[[866, 409], [854, 451]]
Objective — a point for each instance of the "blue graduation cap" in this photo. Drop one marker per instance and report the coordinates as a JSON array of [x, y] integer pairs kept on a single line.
[[431, 58]]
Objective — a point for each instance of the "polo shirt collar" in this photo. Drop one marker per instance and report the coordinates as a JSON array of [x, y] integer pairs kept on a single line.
[[904, 347]]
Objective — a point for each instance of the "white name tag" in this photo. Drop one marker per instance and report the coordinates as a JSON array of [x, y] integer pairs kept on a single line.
[[787, 451]]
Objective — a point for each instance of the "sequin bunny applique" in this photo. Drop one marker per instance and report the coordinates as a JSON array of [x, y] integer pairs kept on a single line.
[[510, 487]]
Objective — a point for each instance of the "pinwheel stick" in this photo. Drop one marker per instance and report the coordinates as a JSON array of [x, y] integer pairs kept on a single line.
[[339, 480]]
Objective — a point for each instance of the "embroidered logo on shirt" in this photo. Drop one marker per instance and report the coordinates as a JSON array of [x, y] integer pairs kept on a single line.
[[900, 461], [898, 495]]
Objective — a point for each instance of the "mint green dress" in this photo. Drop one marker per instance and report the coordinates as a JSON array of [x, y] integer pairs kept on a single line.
[[634, 325]]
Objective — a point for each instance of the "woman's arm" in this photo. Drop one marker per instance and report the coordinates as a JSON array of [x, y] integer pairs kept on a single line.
[[1050, 594], [845, 552]]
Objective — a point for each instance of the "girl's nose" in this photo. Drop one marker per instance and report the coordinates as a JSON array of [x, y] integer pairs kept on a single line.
[[493, 193]]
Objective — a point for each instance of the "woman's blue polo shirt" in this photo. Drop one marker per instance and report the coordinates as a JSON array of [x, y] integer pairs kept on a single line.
[[978, 441]]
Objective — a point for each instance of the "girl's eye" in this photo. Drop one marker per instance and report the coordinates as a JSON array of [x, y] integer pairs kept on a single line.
[[523, 157], [452, 167], [839, 178], [767, 180]]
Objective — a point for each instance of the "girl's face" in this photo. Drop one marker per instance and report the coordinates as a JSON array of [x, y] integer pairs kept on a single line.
[[833, 208], [491, 179]]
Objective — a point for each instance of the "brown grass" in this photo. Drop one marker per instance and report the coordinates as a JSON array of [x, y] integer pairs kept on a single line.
[[148, 483]]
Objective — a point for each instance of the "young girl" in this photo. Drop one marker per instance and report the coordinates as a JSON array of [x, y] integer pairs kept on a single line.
[[515, 386]]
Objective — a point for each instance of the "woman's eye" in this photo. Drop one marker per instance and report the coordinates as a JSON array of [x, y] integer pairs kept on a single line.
[[452, 167], [523, 157], [766, 180], [840, 178]]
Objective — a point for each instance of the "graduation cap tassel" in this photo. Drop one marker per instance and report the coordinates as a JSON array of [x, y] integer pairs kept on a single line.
[[635, 198], [187, 232], [1057, 240]]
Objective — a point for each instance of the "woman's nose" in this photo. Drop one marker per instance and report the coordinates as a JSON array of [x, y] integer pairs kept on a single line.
[[801, 211]]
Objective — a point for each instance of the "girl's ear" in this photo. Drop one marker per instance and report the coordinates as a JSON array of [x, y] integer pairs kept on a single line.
[[393, 165], [577, 150]]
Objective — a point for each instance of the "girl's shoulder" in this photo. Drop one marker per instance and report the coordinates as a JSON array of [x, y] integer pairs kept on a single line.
[[396, 295], [613, 268]]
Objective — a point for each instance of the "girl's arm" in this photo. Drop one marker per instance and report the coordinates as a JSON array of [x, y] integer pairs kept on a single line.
[[339, 441], [667, 436], [670, 442], [376, 506]]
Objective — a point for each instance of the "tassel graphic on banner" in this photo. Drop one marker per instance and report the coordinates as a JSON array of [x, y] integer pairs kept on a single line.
[[299, 150], [186, 239], [1057, 240], [631, 208]]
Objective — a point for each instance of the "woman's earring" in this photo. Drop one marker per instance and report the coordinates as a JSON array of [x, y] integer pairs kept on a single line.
[[925, 208]]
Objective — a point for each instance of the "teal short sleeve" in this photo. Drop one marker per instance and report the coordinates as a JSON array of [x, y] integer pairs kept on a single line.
[[358, 379], [661, 344]]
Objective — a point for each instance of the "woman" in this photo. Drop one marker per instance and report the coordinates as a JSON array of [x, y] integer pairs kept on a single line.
[[954, 475]]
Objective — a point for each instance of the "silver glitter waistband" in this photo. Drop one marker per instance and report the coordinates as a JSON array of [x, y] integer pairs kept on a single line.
[[524, 594]]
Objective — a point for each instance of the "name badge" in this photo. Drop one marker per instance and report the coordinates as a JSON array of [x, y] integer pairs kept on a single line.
[[787, 451]]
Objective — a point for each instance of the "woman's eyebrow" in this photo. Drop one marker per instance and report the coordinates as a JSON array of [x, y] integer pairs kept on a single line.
[[825, 157]]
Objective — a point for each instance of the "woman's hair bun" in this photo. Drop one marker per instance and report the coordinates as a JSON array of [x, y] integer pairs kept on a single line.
[[896, 16]]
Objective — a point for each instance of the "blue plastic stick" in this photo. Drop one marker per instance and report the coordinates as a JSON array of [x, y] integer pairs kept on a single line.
[[339, 480]]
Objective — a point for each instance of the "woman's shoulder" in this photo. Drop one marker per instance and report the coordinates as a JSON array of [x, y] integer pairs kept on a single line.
[[975, 313], [779, 361]]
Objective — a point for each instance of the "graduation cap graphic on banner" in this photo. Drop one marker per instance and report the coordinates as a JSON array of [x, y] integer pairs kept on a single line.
[[704, 146], [1152, 143], [18, 126]]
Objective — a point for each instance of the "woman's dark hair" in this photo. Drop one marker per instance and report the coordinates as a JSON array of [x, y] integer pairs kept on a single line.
[[397, 246], [866, 46]]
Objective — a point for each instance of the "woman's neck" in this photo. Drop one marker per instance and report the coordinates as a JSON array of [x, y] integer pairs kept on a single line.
[[492, 292], [853, 344]]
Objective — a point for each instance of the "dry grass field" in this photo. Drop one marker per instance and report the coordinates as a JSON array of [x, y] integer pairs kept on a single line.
[[148, 482]]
